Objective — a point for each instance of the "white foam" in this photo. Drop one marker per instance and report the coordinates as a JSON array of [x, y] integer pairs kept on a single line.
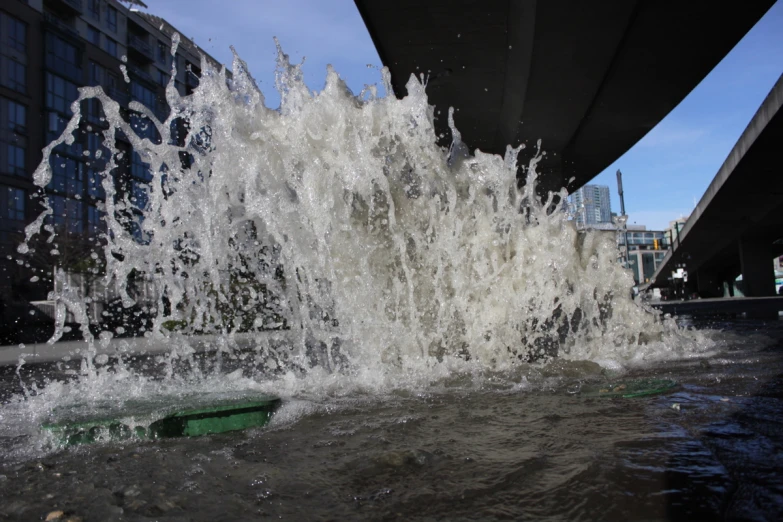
[[402, 263]]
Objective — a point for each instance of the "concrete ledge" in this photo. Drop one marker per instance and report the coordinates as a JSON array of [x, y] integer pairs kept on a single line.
[[43, 352], [754, 306]]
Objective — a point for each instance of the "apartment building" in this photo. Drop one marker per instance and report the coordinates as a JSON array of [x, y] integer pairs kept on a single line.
[[48, 49]]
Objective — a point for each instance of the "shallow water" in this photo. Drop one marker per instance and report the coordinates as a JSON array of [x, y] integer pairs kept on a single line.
[[497, 448]]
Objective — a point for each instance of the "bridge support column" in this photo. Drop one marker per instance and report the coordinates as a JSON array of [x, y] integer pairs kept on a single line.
[[758, 272]]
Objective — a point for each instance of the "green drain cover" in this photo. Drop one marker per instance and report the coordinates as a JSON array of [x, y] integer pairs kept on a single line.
[[146, 420], [630, 389]]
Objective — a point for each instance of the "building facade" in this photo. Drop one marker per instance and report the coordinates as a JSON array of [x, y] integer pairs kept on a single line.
[[591, 205], [638, 249], [48, 49], [644, 251]]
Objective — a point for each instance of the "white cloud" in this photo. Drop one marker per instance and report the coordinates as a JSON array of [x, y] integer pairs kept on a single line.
[[674, 135]]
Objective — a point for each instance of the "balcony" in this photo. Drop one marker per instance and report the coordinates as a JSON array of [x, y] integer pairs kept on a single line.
[[66, 7], [119, 96], [66, 26], [140, 74], [64, 69], [140, 49]]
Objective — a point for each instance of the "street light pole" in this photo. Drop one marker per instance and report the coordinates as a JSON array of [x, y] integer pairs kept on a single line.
[[624, 221]]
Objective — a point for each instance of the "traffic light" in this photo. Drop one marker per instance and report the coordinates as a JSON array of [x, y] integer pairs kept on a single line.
[[655, 244]]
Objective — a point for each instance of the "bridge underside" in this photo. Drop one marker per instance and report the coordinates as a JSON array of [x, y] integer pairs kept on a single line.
[[587, 78]]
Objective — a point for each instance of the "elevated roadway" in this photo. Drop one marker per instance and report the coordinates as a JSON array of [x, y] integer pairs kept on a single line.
[[737, 226], [587, 78]]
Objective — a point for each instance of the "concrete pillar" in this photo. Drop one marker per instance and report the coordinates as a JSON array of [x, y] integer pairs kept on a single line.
[[758, 272]]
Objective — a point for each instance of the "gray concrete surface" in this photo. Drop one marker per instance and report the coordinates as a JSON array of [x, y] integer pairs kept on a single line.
[[768, 307], [588, 78], [43, 352]]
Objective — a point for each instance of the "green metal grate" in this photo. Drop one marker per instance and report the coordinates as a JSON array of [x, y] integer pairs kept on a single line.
[[630, 389], [217, 417]]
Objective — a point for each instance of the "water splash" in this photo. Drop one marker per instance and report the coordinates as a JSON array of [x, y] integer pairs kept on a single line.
[[337, 219]]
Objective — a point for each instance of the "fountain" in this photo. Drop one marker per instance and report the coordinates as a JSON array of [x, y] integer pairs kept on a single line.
[[444, 344], [329, 246]]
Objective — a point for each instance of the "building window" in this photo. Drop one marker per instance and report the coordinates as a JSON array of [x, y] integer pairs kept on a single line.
[[55, 125], [60, 93], [140, 169], [97, 151], [15, 74], [143, 94], [94, 143], [164, 54], [63, 50], [17, 33], [94, 7], [57, 217], [67, 214], [97, 74], [163, 78], [14, 160], [15, 199], [63, 58], [94, 35], [144, 128], [67, 176], [139, 195], [74, 216], [14, 116], [139, 184], [110, 46], [111, 18], [95, 220], [94, 111], [95, 184]]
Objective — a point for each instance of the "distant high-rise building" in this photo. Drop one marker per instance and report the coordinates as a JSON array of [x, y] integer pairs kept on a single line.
[[590, 205]]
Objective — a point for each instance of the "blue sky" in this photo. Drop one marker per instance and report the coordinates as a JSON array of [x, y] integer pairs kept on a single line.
[[664, 175]]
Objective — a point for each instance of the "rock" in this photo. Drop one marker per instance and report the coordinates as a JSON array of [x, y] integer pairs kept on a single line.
[[106, 513], [136, 505], [16, 507], [132, 491], [54, 515]]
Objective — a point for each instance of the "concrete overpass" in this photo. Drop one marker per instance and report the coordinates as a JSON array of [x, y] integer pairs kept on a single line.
[[588, 78], [737, 227]]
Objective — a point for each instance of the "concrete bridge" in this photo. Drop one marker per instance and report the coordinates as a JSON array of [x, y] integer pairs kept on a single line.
[[737, 227], [588, 78]]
